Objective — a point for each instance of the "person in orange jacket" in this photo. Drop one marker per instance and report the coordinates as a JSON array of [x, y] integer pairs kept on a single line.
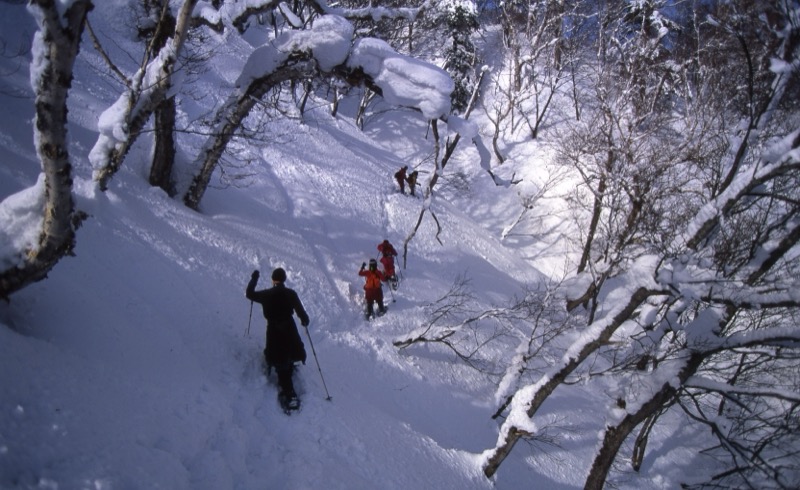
[[373, 290]]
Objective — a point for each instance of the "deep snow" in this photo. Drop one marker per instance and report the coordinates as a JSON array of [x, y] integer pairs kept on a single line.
[[136, 363]]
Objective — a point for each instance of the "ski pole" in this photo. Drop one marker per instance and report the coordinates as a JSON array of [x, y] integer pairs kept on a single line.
[[249, 320], [392, 293], [313, 351]]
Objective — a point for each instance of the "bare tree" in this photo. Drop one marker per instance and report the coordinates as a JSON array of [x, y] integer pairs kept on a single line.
[[539, 39], [447, 320], [694, 282], [57, 43], [440, 164]]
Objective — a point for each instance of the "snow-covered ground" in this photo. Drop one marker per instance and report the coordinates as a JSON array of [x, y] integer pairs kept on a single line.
[[137, 362]]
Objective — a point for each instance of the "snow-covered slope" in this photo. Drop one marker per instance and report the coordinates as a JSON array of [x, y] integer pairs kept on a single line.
[[136, 364], [131, 367]]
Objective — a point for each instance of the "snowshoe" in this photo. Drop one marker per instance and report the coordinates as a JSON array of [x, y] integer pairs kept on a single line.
[[394, 282], [289, 402]]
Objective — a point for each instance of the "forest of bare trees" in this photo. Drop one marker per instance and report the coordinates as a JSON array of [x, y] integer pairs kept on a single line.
[[685, 142], [680, 123]]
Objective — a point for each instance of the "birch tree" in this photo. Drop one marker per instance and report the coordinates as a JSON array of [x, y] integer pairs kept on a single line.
[[56, 45]]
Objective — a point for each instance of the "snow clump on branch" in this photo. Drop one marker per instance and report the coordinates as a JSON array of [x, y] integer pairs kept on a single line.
[[403, 80], [328, 42]]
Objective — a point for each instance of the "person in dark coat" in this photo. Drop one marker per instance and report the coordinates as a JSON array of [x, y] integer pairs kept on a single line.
[[284, 347], [412, 182]]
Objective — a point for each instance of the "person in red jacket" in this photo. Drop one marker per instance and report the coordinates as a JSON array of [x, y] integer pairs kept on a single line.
[[373, 290], [388, 253], [400, 177]]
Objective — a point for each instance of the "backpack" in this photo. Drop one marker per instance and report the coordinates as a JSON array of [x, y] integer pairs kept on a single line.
[[373, 280], [386, 249]]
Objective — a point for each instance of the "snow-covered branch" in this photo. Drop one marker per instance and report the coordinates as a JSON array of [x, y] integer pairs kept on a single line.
[[239, 13], [374, 13], [745, 183], [780, 336], [627, 414], [527, 400]]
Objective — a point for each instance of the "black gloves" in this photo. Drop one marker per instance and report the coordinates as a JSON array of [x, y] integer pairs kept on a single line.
[[363, 265], [255, 275]]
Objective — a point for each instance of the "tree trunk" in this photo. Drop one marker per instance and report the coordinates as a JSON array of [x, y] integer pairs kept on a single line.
[[362, 107], [164, 147], [54, 62], [495, 145], [164, 144], [616, 435], [640, 446], [428, 192], [597, 210], [306, 94], [335, 103]]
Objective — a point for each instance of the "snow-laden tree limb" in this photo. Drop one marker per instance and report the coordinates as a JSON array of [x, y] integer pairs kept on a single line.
[[743, 184], [644, 394], [547, 322], [238, 13], [629, 415], [527, 400]]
